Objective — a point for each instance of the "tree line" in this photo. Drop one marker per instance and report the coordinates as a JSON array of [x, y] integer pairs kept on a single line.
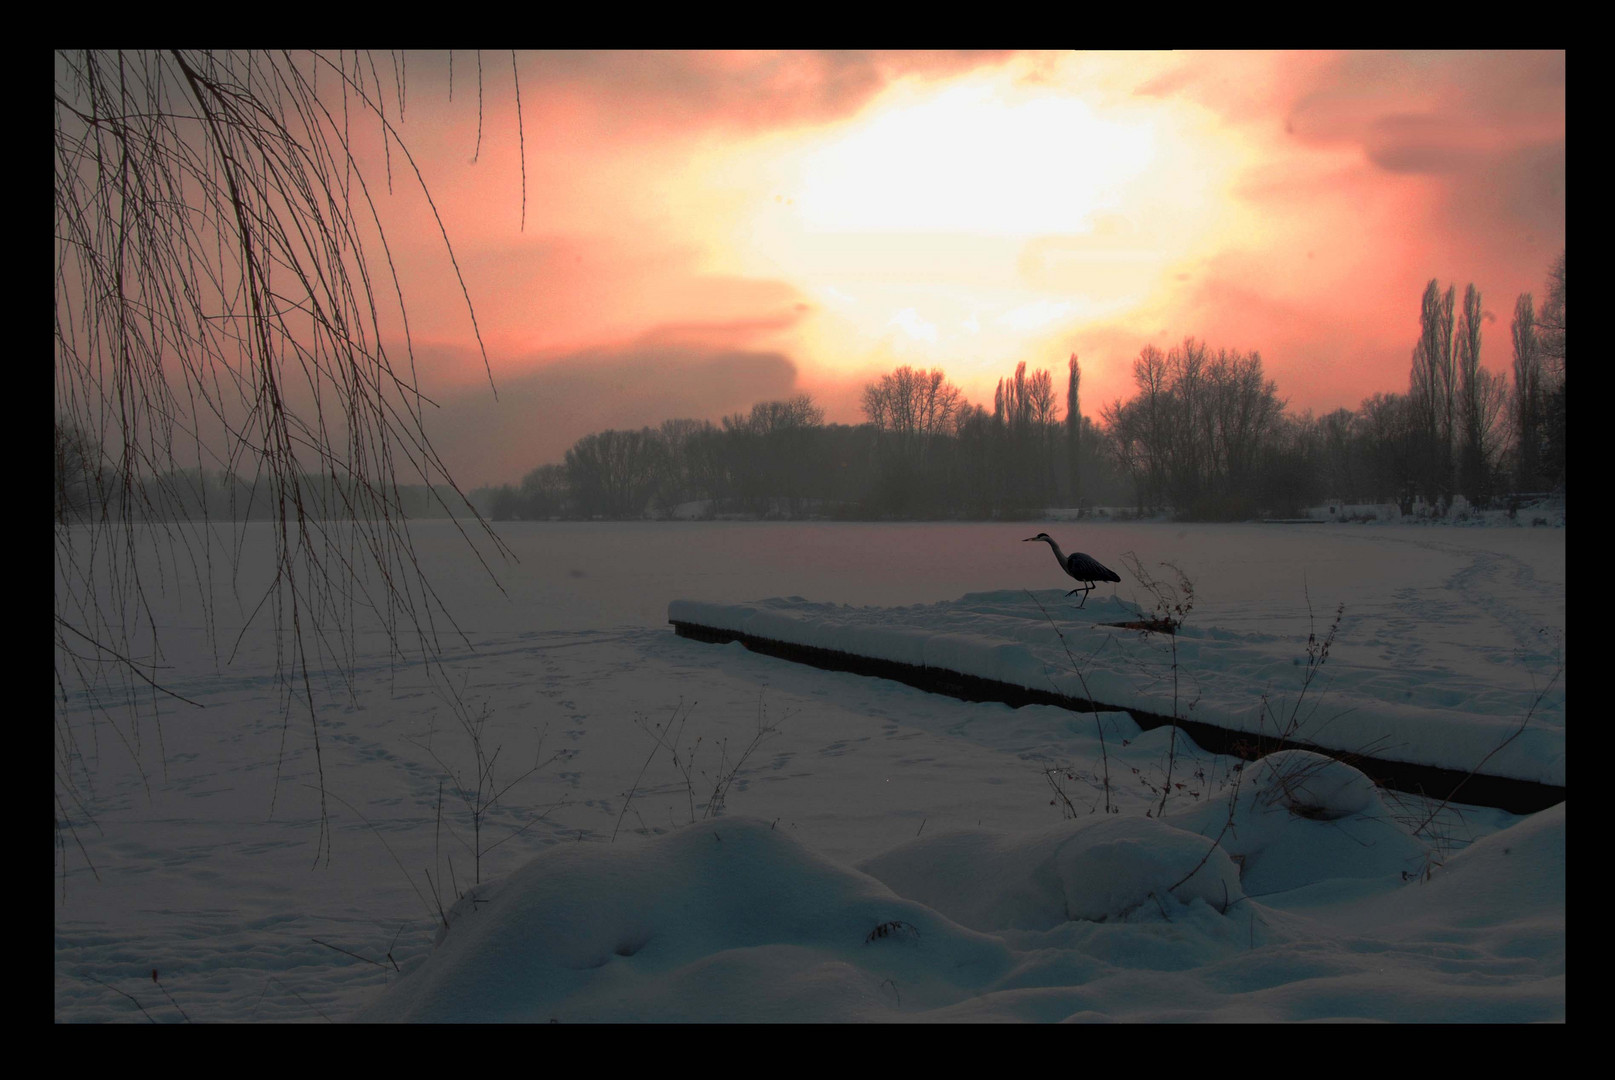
[[1460, 430], [92, 488], [1205, 435]]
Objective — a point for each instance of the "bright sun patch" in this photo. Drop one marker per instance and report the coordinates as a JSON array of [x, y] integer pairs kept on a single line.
[[969, 160], [972, 222]]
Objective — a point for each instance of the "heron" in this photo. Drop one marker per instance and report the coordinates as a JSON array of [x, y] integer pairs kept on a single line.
[[1085, 568]]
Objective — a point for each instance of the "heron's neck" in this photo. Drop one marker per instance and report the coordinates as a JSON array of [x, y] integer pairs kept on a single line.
[[1059, 556]]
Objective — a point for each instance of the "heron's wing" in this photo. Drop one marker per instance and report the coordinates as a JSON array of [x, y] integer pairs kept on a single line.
[[1085, 568]]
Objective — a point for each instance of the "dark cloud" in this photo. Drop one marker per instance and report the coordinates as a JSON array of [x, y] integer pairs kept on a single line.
[[1442, 113], [1435, 113], [1416, 143], [1472, 142], [1486, 128], [1518, 198], [543, 410], [717, 332], [750, 89], [560, 293]]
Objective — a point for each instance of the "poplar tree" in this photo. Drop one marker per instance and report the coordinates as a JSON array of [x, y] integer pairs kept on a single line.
[[1073, 435]]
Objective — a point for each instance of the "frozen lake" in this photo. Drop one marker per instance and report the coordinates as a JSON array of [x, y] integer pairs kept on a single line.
[[598, 575], [197, 879]]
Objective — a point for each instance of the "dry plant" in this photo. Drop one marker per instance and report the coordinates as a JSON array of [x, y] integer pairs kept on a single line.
[[226, 297], [668, 736], [480, 790], [1559, 668], [1317, 651], [1173, 602], [1427, 819], [1277, 727], [1053, 773], [726, 772]]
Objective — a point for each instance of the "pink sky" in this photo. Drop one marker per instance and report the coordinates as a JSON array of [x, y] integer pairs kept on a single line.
[[707, 230]]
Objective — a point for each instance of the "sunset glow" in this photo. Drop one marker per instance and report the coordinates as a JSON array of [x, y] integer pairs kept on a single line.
[[966, 160], [703, 231], [809, 536]]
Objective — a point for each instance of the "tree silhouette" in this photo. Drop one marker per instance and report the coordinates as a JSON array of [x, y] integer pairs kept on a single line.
[[225, 296], [1550, 328], [1073, 434], [1480, 400]]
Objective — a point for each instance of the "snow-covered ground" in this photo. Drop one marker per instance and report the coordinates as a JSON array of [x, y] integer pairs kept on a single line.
[[710, 834]]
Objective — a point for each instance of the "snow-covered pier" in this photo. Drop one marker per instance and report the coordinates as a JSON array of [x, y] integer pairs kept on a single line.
[[1221, 689]]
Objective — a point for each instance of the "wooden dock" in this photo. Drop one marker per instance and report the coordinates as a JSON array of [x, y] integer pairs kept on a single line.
[[1431, 782]]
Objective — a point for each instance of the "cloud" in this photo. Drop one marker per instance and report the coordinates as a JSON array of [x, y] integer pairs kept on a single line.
[[747, 90], [1507, 98], [553, 401], [1460, 115], [732, 91], [1329, 187], [1366, 175], [1519, 199], [553, 294]]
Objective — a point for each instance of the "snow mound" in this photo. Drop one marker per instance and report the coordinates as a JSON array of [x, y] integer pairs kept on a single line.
[[1095, 870], [722, 921], [1300, 819], [1497, 909], [1312, 786], [1524, 863]]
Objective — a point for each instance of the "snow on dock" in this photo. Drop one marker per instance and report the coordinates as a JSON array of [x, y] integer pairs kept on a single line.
[[1412, 727]]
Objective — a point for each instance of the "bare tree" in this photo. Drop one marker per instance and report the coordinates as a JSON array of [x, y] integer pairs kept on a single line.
[[613, 474], [1431, 389], [912, 407], [1527, 400], [1024, 410], [778, 442], [1551, 335], [1480, 400], [544, 492], [1154, 424], [1387, 431], [1551, 319], [1185, 371], [225, 296], [1073, 434]]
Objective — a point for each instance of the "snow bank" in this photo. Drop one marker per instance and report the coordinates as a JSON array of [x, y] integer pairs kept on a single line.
[[1092, 869], [721, 921], [1298, 819], [1111, 915]]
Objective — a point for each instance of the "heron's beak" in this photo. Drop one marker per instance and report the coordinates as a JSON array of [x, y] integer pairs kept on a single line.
[[1029, 539]]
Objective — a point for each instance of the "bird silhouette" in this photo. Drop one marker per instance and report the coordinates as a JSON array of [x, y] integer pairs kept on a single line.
[[1085, 568]]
